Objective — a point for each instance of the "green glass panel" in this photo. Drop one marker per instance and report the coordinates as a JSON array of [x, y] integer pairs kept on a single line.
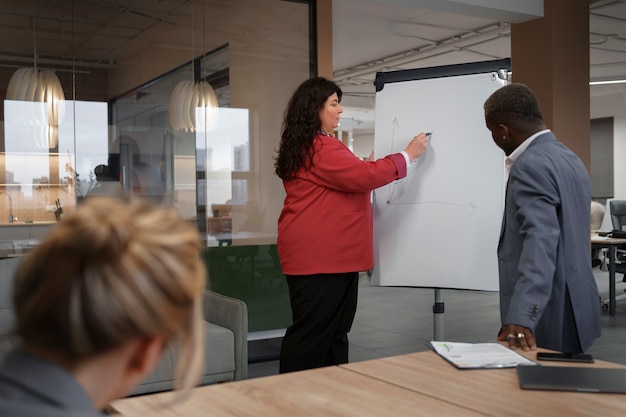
[[252, 274]]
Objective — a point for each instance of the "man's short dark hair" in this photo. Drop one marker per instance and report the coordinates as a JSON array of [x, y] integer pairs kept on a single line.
[[514, 100]]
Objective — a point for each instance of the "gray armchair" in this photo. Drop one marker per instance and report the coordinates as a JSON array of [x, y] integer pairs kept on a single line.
[[226, 346], [231, 314], [226, 337]]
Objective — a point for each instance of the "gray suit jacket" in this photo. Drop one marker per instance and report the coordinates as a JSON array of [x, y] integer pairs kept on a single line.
[[544, 248]]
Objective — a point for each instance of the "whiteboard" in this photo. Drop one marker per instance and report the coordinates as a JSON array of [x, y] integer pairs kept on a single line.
[[439, 227]]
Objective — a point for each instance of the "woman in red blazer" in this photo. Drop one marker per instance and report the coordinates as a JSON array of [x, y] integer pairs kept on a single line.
[[325, 227]]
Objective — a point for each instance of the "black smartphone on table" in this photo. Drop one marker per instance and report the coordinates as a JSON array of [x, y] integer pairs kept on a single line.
[[565, 357]]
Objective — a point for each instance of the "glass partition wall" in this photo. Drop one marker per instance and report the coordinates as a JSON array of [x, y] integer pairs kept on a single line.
[[156, 155], [116, 132]]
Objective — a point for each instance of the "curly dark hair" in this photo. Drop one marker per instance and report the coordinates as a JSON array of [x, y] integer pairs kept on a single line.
[[301, 123], [513, 104]]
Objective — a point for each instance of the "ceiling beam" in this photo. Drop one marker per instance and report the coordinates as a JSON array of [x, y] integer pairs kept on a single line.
[[511, 11]]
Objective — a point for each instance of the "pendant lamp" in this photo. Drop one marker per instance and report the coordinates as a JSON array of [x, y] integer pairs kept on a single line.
[[193, 105], [40, 86], [190, 99]]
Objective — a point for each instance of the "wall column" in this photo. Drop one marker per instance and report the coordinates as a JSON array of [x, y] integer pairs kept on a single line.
[[551, 56], [324, 19]]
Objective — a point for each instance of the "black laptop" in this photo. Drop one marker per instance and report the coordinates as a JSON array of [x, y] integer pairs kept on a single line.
[[569, 378]]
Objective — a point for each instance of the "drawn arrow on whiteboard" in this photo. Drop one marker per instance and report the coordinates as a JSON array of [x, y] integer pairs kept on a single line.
[[470, 205], [473, 207], [394, 124]]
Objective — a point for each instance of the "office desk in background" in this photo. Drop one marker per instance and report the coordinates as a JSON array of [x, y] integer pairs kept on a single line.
[[11, 248], [611, 244], [417, 384], [244, 238]]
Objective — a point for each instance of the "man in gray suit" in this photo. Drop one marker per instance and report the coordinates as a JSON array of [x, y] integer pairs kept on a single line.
[[548, 295]]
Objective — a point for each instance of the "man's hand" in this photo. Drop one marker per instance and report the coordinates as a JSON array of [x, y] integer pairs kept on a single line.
[[518, 336]]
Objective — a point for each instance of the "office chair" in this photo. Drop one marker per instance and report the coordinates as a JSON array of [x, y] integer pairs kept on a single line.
[[617, 211]]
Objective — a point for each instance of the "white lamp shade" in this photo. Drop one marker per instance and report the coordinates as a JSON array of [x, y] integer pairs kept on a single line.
[[29, 84], [186, 98], [43, 86]]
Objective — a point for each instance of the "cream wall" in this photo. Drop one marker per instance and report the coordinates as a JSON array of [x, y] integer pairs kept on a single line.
[[263, 81], [614, 105], [264, 90]]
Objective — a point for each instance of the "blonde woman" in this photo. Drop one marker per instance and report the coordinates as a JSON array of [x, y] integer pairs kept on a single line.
[[96, 303]]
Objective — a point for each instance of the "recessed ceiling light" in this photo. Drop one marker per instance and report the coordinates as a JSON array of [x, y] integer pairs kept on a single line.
[[607, 82]]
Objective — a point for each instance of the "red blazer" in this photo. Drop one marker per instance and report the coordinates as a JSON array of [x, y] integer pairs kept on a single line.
[[326, 222]]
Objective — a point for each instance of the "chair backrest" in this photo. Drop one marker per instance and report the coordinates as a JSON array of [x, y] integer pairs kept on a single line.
[[597, 214], [618, 213], [7, 316]]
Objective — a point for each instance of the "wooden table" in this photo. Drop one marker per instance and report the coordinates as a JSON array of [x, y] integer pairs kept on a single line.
[[418, 384], [327, 392], [611, 244], [493, 392]]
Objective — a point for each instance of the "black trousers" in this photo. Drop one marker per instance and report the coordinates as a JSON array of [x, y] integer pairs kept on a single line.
[[323, 308]]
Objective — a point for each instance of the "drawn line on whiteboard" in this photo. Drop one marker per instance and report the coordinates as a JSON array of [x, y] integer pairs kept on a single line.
[[394, 123], [468, 205], [392, 190]]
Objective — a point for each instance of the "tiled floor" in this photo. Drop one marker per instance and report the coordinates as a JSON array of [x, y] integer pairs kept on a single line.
[[393, 321]]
